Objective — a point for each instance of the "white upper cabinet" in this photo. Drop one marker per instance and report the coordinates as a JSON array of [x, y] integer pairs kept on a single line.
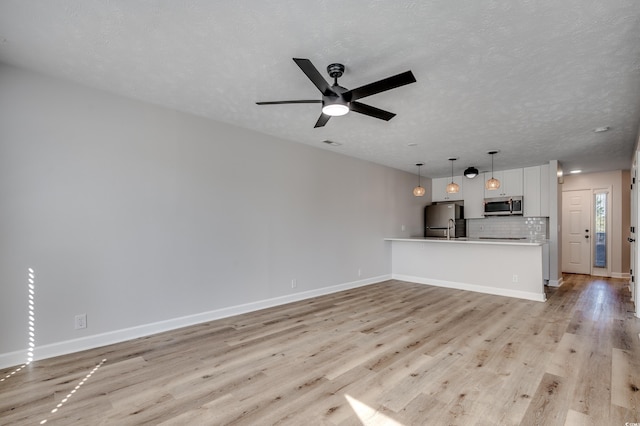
[[474, 197], [510, 183], [531, 196], [536, 191], [545, 181], [439, 189]]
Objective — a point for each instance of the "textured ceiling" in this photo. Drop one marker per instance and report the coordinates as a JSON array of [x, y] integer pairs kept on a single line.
[[529, 78]]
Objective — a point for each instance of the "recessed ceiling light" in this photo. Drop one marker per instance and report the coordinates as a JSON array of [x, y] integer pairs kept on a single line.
[[573, 172], [601, 129], [332, 143], [412, 144]]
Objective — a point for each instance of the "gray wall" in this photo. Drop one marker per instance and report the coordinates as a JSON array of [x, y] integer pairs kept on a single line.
[[136, 214]]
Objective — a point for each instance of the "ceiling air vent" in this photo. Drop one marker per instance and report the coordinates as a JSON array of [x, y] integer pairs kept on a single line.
[[332, 143]]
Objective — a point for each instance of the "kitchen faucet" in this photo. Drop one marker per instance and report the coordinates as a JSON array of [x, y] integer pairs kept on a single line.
[[451, 224]]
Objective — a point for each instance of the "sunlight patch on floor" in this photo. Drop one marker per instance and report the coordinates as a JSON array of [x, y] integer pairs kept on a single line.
[[31, 326], [32, 315], [368, 416], [77, 388]]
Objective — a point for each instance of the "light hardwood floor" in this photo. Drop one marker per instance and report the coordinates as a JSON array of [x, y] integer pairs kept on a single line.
[[391, 353]]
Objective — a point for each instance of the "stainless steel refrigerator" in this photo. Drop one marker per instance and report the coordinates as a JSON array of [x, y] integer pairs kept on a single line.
[[444, 220]]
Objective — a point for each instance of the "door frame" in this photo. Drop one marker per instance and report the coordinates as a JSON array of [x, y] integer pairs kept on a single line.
[[634, 286], [601, 272]]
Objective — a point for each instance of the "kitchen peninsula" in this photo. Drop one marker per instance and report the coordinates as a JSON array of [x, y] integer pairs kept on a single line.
[[504, 267]]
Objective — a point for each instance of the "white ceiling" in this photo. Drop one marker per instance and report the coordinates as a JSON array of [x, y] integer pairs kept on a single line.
[[529, 78]]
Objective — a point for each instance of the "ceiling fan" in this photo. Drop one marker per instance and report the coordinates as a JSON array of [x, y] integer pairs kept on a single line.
[[337, 100]]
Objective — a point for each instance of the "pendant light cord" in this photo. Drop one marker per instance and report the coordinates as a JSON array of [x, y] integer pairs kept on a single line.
[[492, 165], [451, 171]]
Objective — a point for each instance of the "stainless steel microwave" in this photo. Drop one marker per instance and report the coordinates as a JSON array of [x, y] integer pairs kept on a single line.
[[503, 206]]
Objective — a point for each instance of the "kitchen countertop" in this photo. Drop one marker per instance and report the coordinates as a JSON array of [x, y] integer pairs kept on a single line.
[[465, 240]]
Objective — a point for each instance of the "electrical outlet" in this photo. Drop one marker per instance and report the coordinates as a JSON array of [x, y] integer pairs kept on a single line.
[[515, 278], [81, 321], [294, 283], [359, 272], [404, 227]]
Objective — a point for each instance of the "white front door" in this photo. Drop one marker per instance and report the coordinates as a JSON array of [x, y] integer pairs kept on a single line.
[[576, 231]]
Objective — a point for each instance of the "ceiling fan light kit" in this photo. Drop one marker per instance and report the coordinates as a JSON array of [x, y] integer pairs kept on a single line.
[[337, 100], [335, 109]]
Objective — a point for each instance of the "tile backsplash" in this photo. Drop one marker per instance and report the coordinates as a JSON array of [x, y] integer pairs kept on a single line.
[[535, 228]]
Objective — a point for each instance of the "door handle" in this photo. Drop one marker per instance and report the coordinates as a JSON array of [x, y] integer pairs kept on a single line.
[[631, 240]]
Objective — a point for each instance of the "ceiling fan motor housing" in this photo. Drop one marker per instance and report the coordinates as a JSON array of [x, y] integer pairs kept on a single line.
[[335, 70]]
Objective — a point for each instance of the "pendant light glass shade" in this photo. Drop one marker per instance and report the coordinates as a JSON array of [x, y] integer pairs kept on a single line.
[[453, 187], [419, 191], [493, 183]]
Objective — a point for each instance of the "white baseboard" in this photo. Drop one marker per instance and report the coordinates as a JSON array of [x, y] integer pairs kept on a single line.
[[90, 342], [538, 297], [623, 275], [556, 283]]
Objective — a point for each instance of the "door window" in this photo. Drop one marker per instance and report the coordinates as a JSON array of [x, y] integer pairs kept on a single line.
[[600, 232]]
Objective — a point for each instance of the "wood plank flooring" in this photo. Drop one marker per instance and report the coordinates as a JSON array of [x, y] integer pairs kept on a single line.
[[393, 353]]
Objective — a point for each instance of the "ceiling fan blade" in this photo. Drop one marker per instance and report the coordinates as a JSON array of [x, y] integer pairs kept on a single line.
[[314, 75], [309, 101], [380, 86], [322, 120], [371, 111]]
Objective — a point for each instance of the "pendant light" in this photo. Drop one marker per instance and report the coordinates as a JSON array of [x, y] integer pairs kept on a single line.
[[493, 183], [471, 172], [453, 187], [419, 191]]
